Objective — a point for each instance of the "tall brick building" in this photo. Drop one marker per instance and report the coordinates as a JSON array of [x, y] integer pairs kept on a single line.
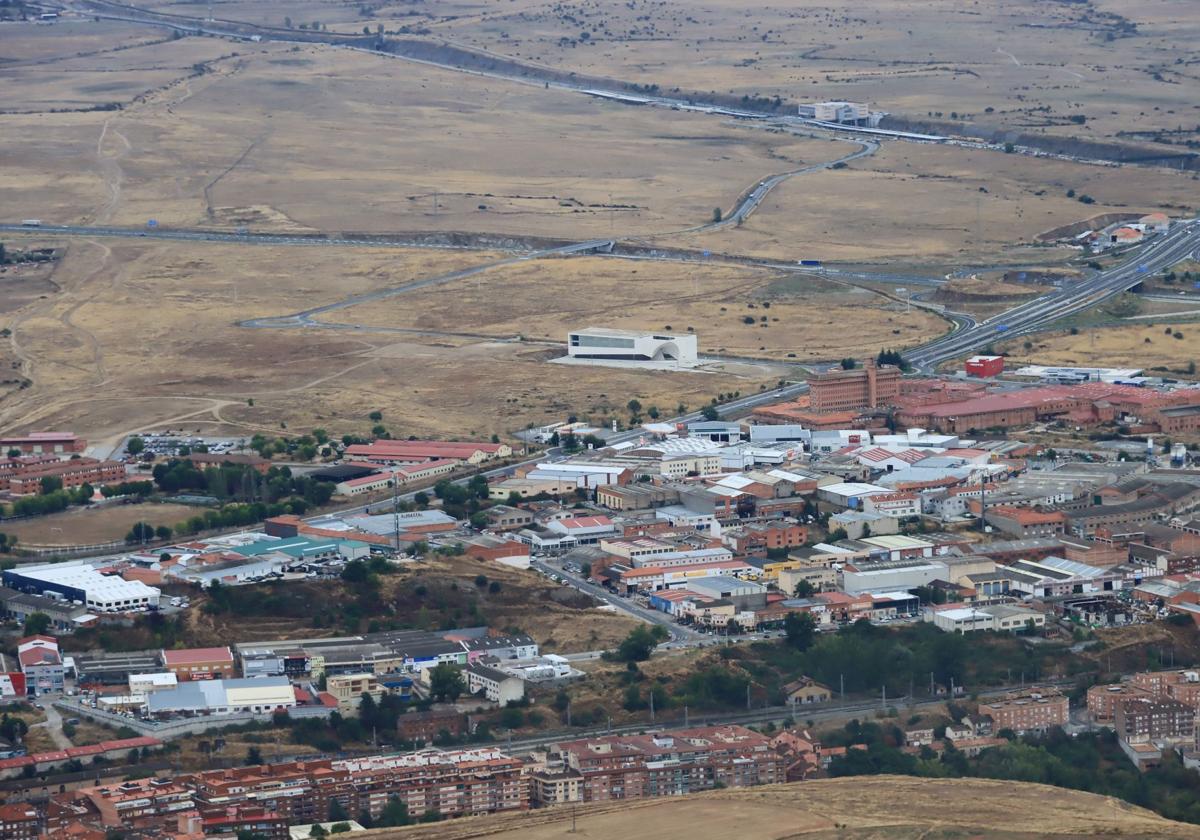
[[1142, 720], [871, 386]]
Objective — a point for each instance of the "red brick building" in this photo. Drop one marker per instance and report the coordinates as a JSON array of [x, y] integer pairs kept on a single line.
[[1031, 711], [44, 443], [456, 783], [671, 764], [27, 479], [1141, 720], [870, 386], [19, 822]]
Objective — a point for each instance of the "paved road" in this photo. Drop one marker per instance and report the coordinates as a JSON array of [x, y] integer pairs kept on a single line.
[[679, 633], [1159, 253]]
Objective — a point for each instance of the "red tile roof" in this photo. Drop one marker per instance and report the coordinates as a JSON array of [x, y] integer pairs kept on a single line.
[[197, 656]]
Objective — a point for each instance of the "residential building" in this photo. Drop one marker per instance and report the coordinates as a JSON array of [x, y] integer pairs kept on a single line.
[[805, 691], [1141, 720], [555, 787], [348, 690], [1035, 710], [685, 761], [19, 821]]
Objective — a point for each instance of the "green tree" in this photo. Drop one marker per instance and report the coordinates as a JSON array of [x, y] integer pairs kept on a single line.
[[395, 813], [337, 811], [848, 364], [800, 630], [135, 446], [709, 412], [37, 624], [254, 757], [804, 589], [446, 683], [640, 643]]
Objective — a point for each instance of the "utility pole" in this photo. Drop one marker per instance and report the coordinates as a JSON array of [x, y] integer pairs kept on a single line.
[[747, 697], [568, 713], [884, 701], [651, 704], [685, 716], [842, 682], [396, 511], [983, 503]]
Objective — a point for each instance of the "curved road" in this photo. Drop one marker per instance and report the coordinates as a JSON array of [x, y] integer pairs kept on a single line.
[[1159, 253]]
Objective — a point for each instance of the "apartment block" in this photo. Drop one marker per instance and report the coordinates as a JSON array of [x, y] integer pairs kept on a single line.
[[686, 761], [1031, 711], [1144, 720]]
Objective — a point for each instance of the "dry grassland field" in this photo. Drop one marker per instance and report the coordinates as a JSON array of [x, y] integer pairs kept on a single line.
[[145, 333], [89, 526], [125, 334], [331, 140], [794, 317], [945, 57], [1147, 344], [862, 808], [924, 204]]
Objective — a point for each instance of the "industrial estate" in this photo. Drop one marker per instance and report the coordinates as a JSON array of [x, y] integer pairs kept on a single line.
[[532, 412]]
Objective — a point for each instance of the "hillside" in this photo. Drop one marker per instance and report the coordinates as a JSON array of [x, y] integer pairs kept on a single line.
[[848, 809]]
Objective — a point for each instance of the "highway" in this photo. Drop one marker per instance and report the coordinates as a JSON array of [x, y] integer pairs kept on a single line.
[[1158, 254]]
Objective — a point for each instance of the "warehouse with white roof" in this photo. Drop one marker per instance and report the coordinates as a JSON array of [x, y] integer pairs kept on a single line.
[[82, 583]]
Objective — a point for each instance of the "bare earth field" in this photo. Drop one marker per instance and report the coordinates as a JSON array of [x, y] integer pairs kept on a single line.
[[89, 526], [862, 808], [1146, 345]]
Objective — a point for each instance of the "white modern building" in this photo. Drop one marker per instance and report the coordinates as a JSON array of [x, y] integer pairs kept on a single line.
[[846, 113], [631, 346]]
